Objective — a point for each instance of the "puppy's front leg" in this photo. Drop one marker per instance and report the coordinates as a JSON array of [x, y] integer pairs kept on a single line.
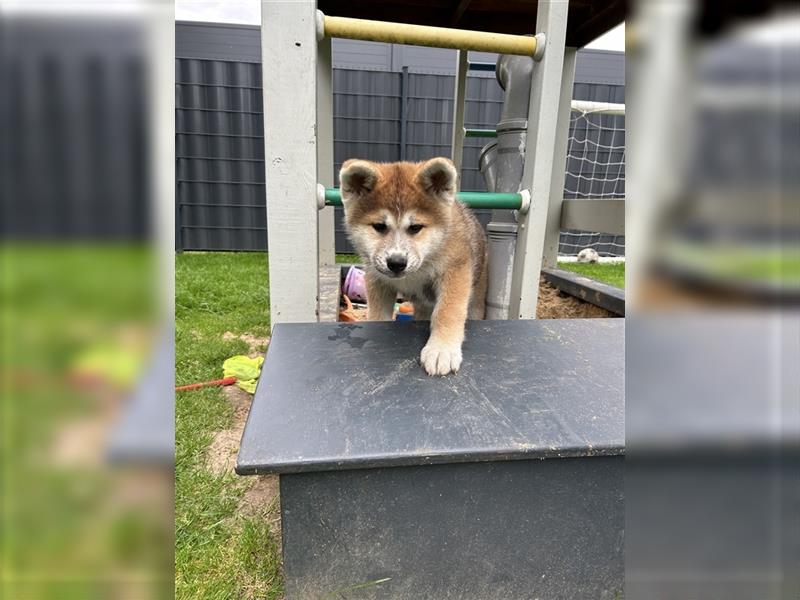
[[442, 354], [380, 300]]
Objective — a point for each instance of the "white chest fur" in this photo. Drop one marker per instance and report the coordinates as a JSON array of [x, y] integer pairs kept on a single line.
[[421, 285]]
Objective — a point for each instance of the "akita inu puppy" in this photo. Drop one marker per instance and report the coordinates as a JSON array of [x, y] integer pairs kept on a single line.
[[416, 239]]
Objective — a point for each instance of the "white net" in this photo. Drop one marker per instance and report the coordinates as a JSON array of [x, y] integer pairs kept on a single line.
[[595, 169]]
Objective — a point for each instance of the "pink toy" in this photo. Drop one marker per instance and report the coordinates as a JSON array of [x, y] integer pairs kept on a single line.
[[354, 285]]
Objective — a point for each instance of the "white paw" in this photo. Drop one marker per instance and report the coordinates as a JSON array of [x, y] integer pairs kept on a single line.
[[440, 359]]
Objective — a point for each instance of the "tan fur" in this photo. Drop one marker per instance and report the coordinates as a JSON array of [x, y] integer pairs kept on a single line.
[[446, 273]]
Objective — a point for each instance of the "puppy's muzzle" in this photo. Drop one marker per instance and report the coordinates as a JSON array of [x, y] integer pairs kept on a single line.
[[396, 263]]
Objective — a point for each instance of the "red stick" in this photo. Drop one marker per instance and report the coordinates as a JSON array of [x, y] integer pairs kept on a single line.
[[194, 386]]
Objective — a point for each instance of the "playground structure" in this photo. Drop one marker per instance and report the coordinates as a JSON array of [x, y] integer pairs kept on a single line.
[[498, 482], [299, 143]]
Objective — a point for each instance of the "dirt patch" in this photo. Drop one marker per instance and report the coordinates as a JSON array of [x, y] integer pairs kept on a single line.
[[663, 292], [240, 402], [360, 313], [81, 442], [221, 454], [257, 344], [261, 497], [554, 304], [262, 500]]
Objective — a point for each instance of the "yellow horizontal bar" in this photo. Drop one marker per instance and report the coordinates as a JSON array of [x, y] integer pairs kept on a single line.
[[422, 35]]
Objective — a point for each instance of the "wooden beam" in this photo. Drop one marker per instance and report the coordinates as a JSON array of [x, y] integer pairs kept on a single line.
[[289, 64], [537, 174], [553, 229], [327, 235], [459, 11], [459, 97]]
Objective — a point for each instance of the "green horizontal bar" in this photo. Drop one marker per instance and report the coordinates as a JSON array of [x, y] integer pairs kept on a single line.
[[333, 197], [480, 133], [490, 200], [472, 199]]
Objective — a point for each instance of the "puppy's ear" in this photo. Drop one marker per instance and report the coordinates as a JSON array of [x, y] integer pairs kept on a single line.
[[439, 178], [357, 179]]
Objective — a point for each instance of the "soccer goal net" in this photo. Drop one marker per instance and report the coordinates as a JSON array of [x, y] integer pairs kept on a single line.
[[595, 170]]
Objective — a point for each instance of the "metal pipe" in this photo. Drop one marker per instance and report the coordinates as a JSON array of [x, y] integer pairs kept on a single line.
[[513, 201], [517, 201], [514, 76], [459, 96], [501, 164], [423, 35], [480, 133]]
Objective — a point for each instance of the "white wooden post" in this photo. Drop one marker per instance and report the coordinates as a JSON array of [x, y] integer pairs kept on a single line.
[[327, 235], [160, 39], [459, 96], [553, 230], [537, 173], [654, 146], [289, 56]]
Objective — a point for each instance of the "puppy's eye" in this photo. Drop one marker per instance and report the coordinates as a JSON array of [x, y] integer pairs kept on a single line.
[[415, 229], [379, 227]]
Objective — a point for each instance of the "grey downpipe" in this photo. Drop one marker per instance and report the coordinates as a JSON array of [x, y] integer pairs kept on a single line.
[[501, 163]]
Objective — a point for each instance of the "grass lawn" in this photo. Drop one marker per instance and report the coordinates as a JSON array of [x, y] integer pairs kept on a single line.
[[610, 273], [64, 529], [219, 552], [778, 264]]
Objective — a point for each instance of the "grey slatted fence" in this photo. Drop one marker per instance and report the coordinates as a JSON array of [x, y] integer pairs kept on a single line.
[[378, 115]]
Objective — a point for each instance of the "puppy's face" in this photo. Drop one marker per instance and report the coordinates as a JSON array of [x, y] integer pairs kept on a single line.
[[398, 214]]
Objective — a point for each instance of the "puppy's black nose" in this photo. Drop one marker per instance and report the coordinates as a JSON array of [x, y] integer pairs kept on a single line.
[[396, 263]]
